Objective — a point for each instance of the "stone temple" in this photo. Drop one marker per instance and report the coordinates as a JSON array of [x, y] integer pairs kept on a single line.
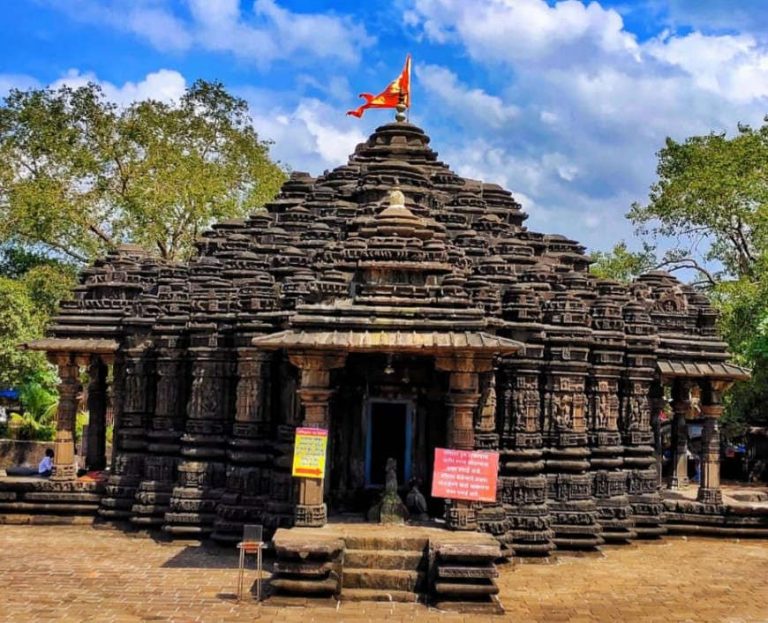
[[404, 308]]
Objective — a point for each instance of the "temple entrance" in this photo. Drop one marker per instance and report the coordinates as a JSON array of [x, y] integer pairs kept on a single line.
[[389, 433], [383, 408]]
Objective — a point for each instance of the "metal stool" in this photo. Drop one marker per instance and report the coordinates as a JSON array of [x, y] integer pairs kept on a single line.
[[251, 544]]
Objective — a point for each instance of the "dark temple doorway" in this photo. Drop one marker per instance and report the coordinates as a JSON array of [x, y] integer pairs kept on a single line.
[[389, 434]]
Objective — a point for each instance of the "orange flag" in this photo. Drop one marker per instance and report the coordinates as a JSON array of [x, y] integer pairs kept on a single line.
[[398, 92]]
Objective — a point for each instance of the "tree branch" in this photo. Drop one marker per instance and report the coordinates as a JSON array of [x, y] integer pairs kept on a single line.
[[100, 233], [688, 262], [74, 255]]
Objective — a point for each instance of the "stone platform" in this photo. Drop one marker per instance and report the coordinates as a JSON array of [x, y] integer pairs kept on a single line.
[[743, 512], [372, 562], [34, 500]]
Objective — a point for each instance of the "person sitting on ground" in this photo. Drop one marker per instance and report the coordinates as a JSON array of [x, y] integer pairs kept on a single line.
[[45, 468]]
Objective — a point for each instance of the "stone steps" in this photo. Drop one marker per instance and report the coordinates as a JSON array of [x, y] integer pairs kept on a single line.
[[378, 543], [464, 576], [382, 579], [457, 571], [385, 559], [367, 594], [384, 568]]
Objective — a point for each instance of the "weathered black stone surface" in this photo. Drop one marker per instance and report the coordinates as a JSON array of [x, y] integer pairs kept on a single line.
[[205, 422]]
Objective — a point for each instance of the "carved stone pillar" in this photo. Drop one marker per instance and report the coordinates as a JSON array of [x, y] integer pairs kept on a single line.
[[315, 394], [463, 397], [164, 427], [681, 406], [201, 472], [134, 393], [711, 410], [96, 446], [64, 444], [491, 516], [637, 393], [522, 484], [249, 451]]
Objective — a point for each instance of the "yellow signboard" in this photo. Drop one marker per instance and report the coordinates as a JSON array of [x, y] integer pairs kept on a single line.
[[309, 452]]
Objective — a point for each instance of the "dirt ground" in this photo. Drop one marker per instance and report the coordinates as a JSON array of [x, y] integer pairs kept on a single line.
[[81, 574]]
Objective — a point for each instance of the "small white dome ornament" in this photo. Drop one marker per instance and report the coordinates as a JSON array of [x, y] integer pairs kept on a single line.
[[396, 198]]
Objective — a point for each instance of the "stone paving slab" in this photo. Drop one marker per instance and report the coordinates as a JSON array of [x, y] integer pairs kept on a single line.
[[78, 574]]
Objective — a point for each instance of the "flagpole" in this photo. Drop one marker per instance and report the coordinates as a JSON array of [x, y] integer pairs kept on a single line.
[[409, 63]]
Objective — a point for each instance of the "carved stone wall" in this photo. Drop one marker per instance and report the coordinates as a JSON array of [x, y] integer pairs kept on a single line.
[[204, 421]]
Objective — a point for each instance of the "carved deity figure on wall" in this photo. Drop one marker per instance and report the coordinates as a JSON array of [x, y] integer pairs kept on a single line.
[[639, 416], [601, 421], [135, 396], [563, 411]]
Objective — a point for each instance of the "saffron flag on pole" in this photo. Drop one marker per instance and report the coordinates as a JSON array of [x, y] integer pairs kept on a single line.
[[397, 92]]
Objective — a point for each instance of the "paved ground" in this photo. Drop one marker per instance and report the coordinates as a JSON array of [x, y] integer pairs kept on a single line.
[[80, 574]]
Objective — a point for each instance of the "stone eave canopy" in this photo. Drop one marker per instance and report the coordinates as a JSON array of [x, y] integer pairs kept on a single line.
[[410, 342], [72, 345], [716, 370]]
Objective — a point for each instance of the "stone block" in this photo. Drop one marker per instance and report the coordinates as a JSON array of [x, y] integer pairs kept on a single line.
[[384, 579]]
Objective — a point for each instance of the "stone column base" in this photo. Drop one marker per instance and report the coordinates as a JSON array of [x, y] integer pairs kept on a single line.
[[310, 516], [64, 472], [678, 483], [461, 517], [710, 496]]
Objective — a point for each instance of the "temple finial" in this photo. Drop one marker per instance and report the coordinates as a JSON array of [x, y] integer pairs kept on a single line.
[[396, 197], [400, 114]]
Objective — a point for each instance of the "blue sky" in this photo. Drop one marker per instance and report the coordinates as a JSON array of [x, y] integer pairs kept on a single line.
[[564, 103]]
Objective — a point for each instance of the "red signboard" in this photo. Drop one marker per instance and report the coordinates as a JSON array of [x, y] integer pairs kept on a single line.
[[464, 475]]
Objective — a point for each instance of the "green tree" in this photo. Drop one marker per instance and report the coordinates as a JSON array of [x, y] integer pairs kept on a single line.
[[79, 175], [47, 285], [19, 322], [711, 200], [16, 261], [621, 264], [711, 197]]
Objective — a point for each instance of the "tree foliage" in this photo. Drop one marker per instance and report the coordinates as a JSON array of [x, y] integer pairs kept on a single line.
[[19, 322], [711, 197], [79, 175], [621, 264], [31, 286], [711, 201]]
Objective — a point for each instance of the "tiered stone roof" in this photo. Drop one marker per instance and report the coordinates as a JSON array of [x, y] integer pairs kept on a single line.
[[454, 244]]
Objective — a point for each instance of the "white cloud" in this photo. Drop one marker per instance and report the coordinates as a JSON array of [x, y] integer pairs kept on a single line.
[[160, 28], [505, 31], [148, 19], [310, 135], [275, 33], [733, 66], [548, 117], [594, 104], [16, 81], [264, 34], [474, 104], [165, 85]]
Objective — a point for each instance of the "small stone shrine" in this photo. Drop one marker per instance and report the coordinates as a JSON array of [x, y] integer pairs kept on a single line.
[[402, 308]]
